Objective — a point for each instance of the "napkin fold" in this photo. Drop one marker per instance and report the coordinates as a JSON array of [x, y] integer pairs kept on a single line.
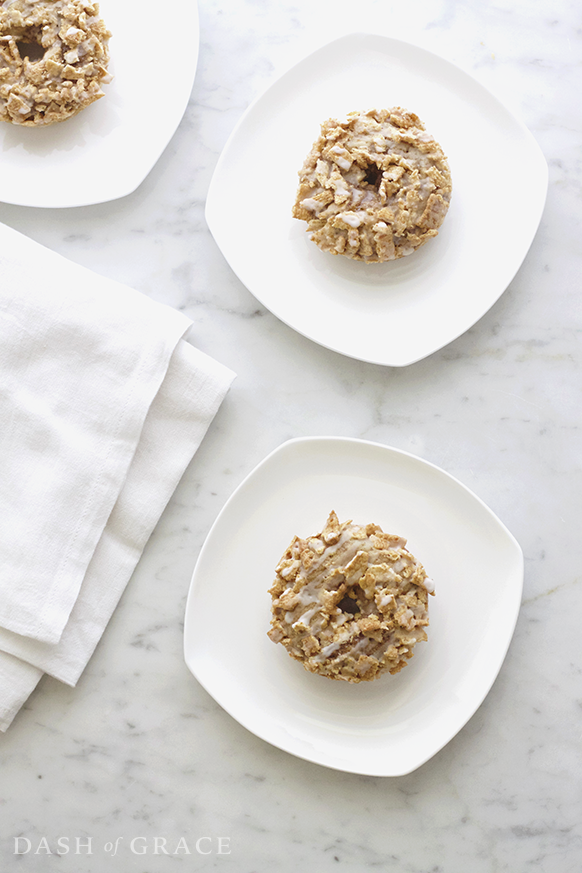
[[17, 682], [103, 403]]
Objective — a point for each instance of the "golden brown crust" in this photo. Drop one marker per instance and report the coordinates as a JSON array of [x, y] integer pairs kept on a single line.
[[350, 602], [53, 59], [374, 187]]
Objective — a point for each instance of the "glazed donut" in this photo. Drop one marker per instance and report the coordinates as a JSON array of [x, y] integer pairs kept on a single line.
[[53, 59], [350, 602], [375, 187]]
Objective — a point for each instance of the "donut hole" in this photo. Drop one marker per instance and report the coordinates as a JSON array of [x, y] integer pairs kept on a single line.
[[348, 604], [373, 175], [353, 601], [31, 50]]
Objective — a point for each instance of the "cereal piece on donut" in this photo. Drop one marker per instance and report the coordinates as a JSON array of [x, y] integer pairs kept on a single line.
[[374, 187], [53, 59], [350, 602]]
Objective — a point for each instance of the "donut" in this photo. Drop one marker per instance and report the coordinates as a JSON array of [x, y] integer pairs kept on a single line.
[[374, 187], [53, 59], [350, 602]]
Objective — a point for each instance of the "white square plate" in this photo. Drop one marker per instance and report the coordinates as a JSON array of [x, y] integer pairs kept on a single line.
[[394, 724], [108, 149], [400, 311]]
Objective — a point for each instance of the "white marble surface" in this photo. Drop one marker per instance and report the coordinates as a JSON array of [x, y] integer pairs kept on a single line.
[[138, 749]]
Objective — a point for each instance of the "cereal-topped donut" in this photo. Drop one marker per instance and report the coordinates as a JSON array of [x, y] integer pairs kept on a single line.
[[53, 59], [374, 187], [350, 602]]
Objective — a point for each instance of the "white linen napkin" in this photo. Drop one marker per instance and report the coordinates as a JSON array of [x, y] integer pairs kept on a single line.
[[17, 682], [102, 406]]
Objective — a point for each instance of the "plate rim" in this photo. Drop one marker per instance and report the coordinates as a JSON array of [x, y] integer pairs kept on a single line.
[[211, 213], [188, 635]]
